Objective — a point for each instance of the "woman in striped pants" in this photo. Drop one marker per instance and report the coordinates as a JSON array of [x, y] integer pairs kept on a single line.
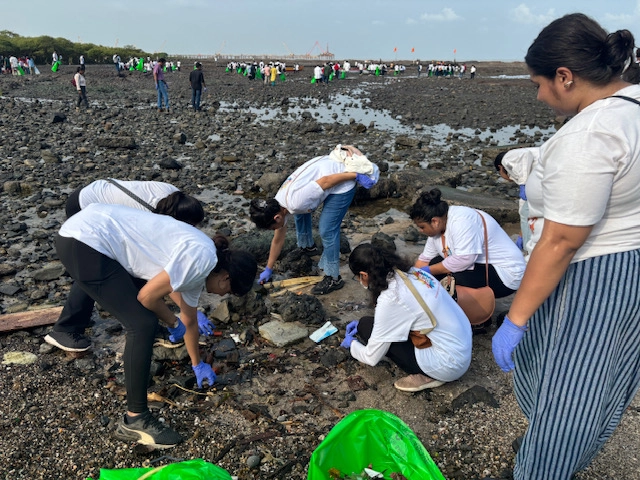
[[576, 318]]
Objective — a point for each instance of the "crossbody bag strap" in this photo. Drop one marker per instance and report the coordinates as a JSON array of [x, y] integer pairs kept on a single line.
[[420, 300], [486, 248], [629, 99], [131, 194]]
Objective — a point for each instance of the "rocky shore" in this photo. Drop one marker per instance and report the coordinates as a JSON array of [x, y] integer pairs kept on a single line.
[[273, 405]]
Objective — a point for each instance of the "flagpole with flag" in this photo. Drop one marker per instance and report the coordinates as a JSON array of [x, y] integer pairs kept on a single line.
[[454, 55], [395, 49]]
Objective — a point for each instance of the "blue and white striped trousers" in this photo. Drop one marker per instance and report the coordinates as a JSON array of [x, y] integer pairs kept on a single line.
[[578, 366]]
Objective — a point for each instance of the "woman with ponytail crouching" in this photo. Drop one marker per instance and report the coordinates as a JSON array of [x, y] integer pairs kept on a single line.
[[110, 250], [416, 323]]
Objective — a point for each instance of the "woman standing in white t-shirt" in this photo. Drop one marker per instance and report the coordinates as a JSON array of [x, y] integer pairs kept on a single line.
[[575, 317], [107, 248], [322, 181], [445, 354], [456, 245]]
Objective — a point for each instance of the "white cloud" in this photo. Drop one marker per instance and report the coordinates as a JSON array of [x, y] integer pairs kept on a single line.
[[411, 21], [522, 14], [446, 15]]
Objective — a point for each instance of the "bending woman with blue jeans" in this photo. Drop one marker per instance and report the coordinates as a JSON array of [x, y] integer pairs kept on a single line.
[[320, 181]]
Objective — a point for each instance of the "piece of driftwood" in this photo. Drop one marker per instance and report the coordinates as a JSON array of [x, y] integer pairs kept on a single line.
[[29, 318], [293, 282]]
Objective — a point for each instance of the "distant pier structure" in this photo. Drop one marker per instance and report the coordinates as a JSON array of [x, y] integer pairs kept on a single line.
[[315, 53]]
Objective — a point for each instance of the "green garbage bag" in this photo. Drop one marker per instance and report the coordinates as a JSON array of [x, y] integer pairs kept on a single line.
[[226, 69], [258, 74], [196, 469], [54, 67], [283, 77], [20, 70], [331, 75], [313, 80], [377, 72], [372, 437], [140, 66], [343, 75]]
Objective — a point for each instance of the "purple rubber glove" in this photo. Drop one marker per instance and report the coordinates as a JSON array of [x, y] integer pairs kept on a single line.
[[523, 193], [504, 342], [178, 332], [352, 328], [203, 372], [426, 268], [204, 324], [365, 181], [346, 343], [156, 85], [519, 242], [265, 276]]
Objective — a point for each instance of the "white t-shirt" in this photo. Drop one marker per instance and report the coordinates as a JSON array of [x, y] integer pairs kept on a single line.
[[101, 191], [589, 174], [145, 244], [398, 312], [300, 193], [465, 236]]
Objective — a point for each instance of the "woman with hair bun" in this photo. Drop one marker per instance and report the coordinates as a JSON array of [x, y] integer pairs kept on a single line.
[[439, 355], [573, 324], [110, 250], [456, 245]]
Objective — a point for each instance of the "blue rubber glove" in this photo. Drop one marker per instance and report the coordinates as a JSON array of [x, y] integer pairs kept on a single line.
[[365, 181], [426, 268], [156, 85], [178, 332], [523, 193], [266, 275], [204, 324], [203, 372], [352, 328], [519, 242], [346, 343], [504, 342]]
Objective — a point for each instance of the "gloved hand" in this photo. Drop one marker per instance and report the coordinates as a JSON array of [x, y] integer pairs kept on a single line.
[[365, 181], [204, 324], [346, 343], [156, 85], [352, 328], [504, 342], [203, 372], [523, 192], [519, 242], [178, 332], [426, 268], [266, 275]]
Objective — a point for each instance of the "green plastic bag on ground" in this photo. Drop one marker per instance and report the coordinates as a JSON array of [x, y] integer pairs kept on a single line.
[[373, 437], [196, 469]]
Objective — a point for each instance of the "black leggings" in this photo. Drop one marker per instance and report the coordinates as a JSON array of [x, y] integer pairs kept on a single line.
[[109, 284], [402, 354], [476, 278]]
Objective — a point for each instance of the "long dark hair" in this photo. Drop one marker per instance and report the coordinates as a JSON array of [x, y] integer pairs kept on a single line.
[[429, 205], [378, 263], [239, 264], [263, 211], [182, 207], [580, 44]]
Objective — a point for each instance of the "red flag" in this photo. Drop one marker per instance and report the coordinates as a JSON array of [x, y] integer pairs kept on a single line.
[[413, 49], [395, 49], [454, 51]]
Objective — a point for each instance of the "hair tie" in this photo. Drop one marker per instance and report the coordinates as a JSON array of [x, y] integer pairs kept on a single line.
[[261, 203]]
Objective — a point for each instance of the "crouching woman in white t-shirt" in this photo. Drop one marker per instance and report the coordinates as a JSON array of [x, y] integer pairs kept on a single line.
[[443, 356], [106, 248]]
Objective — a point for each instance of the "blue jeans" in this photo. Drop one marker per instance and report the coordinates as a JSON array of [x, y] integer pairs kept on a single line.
[[162, 94], [195, 99], [334, 209]]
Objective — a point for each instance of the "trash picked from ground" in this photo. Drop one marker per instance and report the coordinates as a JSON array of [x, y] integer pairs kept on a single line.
[[323, 332], [371, 442]]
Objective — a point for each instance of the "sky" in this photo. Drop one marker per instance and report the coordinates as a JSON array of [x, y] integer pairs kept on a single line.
[[460, 30]]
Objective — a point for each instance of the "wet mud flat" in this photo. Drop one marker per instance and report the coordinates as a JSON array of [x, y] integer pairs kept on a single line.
[[277, 403]]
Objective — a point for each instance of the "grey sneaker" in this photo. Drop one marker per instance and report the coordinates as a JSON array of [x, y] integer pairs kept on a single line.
[[70, 342], [147, 430], [328, 284], [416, 383]]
